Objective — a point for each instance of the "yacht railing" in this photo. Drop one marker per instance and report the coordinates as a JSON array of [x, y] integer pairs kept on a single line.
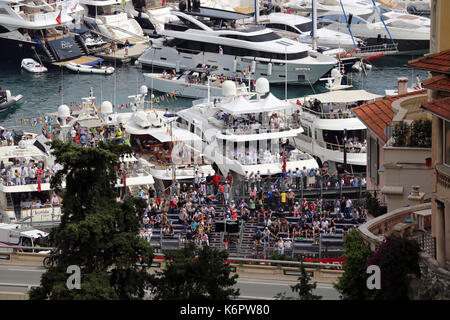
[[270, 158], [256, 130], [347, 114]]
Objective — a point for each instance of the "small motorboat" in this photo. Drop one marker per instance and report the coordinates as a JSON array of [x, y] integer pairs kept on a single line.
[[32, 66], [89, 69], [7, 100]]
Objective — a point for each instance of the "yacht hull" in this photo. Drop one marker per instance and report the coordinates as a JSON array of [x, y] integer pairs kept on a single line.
[[301, 73]]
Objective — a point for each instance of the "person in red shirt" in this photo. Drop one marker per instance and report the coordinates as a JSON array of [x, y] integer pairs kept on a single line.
[[216, 180], [220, 193]]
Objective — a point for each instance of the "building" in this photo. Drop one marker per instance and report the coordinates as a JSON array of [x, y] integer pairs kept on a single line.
[[392, 171], [438, 105]]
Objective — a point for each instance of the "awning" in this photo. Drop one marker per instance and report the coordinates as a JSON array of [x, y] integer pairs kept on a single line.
[[341, 96], [163, 135], [243, 106]]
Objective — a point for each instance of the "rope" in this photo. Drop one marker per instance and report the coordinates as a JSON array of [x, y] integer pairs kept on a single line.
[[348, 25], [382, 20]]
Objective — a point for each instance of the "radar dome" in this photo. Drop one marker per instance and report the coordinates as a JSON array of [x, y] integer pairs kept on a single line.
[[262, 86], [106, 107], [229, 88], [144, 90], [121, 118], [63, 111]]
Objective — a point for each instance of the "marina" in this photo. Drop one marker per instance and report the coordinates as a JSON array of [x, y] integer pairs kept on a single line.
[[268, 130]]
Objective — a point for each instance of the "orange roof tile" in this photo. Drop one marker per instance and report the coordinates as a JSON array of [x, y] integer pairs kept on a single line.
[[438, 62], [440, 82], [440, 107], [377, 115]]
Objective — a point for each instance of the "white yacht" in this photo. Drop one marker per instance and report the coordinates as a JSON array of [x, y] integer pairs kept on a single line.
[[213, 37], [36, 28], [113, 21], [299, 28], [241, 134], [410, 32], [27, 198], [156, 144], [328, 122], [187, 84]]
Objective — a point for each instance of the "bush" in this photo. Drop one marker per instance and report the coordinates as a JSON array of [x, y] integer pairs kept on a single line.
[[400, 134], [373, 205], [398, 259], [421, 134]]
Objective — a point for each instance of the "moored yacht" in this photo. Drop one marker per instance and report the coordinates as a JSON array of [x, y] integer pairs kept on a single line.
[[241, 134], [37, 29], [213, 37], [25, 193], [332, 133], [372, 23], [112, 20]]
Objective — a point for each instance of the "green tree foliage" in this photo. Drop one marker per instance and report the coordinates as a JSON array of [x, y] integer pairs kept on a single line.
[[96, 233], [400, 134], [421, 134], [190, 277], [304, 288], [351, 285], [373, 205], [398, 259]]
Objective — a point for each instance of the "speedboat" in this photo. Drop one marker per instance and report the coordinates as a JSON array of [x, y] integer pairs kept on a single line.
[[83, 68], [7, 100], [32, 66]]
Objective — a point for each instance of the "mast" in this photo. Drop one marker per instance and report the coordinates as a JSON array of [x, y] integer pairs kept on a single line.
[[314, 25]]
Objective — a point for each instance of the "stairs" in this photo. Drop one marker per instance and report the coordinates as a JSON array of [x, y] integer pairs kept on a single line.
[[81, 45]]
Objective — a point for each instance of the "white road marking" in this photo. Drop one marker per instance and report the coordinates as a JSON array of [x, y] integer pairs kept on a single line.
[[27, 270]]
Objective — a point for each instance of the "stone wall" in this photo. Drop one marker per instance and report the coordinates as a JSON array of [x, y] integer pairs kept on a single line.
[[433, 284]]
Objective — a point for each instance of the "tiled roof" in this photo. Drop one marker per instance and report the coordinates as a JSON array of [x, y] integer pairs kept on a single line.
[[438, 62], [440, 82], [440, 107], [378, 115]]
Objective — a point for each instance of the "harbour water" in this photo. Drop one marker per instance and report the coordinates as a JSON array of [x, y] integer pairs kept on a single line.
[[43, 93]]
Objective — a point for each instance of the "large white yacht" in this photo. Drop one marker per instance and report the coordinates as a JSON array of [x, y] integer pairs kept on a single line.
[[329, 126], [36, 28], [299, 28], [163, 152], [213, 37], [113, 21], [240, 134], [410, 32]]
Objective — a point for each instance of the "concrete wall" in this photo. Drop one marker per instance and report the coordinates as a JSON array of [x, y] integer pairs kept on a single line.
[[405, 167], [440, 25]]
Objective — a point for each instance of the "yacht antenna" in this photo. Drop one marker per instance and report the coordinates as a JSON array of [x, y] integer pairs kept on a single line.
[[285, 73]]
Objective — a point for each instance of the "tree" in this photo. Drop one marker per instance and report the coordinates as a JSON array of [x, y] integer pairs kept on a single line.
[[352, 284], [190, 277], [96, 233], [304, 288], [398, 259], [400, 134], [421, 134]]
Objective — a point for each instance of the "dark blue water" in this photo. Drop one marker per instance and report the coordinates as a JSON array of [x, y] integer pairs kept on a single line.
[[43, 93]]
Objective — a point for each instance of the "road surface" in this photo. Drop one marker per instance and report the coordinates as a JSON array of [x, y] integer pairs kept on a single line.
[[18, 278]]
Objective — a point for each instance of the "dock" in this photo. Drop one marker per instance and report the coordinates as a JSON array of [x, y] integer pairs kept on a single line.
[[80, 60], [120, 56]]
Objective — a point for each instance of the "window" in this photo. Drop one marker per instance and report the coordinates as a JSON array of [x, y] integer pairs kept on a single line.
[[446, 143], [305, 27]]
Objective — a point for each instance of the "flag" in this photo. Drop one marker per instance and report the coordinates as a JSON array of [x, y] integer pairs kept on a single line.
[[39, 179], [163, 2], [58, 18], [124, 2], [124, 177], [74, 7], [284, 165]]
